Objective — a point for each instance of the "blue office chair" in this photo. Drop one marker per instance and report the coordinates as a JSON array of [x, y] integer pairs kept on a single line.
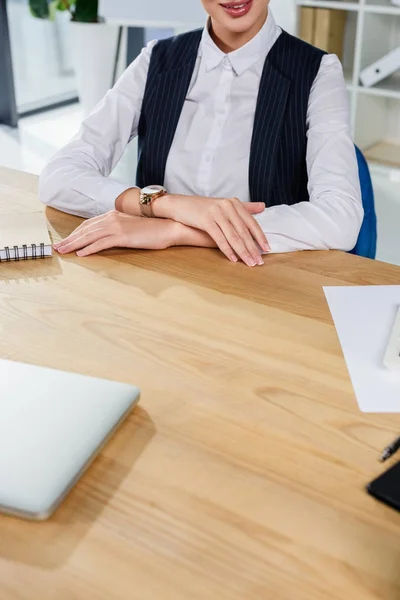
[[366, 243]]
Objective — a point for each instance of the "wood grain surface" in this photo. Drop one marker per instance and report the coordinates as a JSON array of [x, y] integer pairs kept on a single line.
[[242, 474]]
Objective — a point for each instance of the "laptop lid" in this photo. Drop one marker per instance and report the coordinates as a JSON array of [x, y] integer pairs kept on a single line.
[[52, 424]]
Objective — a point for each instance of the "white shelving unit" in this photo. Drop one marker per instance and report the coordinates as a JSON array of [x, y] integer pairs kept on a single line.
[[372, 30]]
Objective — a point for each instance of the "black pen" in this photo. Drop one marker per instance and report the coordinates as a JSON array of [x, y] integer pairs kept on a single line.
[[390, 450]]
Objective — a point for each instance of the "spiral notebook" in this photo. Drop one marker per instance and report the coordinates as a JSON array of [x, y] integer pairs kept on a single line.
[[24, 236]]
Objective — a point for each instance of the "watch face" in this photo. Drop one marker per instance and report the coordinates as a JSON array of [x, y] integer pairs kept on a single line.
[[151, 190]]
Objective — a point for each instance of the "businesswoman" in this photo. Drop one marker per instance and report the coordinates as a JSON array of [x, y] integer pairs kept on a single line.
[[244, 144]]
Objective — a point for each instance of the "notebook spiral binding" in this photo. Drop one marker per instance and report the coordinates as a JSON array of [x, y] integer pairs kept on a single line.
[[36, 251]]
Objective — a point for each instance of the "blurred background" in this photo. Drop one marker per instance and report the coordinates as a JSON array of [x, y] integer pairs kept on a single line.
[[56, 68], [42, 58]]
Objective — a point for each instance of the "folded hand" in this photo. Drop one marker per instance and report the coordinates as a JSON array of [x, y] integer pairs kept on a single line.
[[229, 222], [115, 229]]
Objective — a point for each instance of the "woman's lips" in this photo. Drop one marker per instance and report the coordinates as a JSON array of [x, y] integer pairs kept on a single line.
[[237, 9]]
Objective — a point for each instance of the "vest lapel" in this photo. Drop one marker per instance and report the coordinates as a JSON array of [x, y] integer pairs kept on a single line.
[[270, 112], [164, 100], [170, 91]]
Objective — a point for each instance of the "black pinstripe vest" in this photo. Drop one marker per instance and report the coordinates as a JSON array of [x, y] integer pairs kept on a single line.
[[277, 169]]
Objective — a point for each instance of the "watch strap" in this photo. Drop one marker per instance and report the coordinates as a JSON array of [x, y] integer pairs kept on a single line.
[[146, 208]]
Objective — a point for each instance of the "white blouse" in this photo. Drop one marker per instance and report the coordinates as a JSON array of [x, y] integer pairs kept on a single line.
[[210, 152]]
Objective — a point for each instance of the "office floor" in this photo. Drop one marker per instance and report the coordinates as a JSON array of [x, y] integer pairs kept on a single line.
[[30, 146]]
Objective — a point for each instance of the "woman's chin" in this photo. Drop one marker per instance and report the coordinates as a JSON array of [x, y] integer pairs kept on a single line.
[[237, 25]]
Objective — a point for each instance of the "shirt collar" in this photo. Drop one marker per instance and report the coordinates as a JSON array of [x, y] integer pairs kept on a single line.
[[243, 58]]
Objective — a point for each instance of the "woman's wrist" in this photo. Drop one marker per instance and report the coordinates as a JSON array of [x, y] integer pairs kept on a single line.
[[163, 206], [128, 202], [189, 236]]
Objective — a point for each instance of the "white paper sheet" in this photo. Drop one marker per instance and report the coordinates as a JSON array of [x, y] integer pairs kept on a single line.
[[364, 318]]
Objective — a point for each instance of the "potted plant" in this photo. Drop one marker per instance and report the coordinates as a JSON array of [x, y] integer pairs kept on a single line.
[[94, 45]]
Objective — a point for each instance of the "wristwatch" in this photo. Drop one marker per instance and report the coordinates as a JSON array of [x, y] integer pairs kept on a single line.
[[147, 197]]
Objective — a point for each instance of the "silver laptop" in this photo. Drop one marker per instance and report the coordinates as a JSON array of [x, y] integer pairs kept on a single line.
[[52, 425]]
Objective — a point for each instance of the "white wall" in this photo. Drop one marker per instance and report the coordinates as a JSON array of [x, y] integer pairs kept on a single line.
[[154, 13], [285, 14]]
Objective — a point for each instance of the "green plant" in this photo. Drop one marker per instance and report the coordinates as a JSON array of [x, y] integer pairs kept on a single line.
[[84, 11]]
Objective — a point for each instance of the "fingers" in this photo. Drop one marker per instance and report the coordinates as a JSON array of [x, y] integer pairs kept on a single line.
[[246, 238], [254, 208], [219, 238], [241, 242], [104, 243], [241, 230], [83, 226], [108, 220], [254, 228], [77, 242]]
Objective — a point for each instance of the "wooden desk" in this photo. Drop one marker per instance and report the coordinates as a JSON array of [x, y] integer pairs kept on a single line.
[[242, 474]]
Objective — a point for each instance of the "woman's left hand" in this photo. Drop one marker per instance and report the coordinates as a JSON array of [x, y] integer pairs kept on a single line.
[[116, 229]]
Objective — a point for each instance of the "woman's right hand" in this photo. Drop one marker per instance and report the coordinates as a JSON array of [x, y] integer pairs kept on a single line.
[[227, 221]]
